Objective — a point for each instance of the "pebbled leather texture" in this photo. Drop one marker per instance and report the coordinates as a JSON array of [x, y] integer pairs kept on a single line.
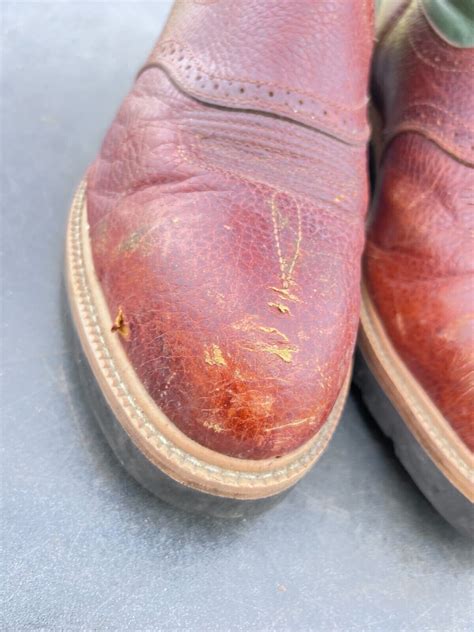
[[227, 233], [419, 261], [425, 85], [274, 57]]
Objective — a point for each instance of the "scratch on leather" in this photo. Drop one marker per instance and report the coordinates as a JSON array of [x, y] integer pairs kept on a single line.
[[213, 356], [284, 309], [296, 422], [278, 346], [285, 294], [121, 325], [132, 242], [213, 426], [250, 324], [273, 330], [284, 353], [280, 224]]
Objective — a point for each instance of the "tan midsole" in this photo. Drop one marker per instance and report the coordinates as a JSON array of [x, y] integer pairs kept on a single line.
[[151, 431], [421, 415]]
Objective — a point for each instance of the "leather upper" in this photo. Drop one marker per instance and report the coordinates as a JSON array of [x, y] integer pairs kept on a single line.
[[420, 252], [425, 85], [274, 57], [227, 226]]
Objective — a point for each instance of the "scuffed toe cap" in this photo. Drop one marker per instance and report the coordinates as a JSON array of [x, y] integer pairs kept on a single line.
[[239, 362]]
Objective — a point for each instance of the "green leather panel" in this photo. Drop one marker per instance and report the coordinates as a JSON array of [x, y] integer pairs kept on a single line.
[[453, 19]]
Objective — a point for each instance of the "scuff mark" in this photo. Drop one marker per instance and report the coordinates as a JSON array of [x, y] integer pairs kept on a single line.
[[399, 321], [137, 240], [213, 426], [280, 224], [214, 356], [284, 309], [274, 330], [121, 325], [284, 353], [285, 294], [451, 331], [250, 324], [130, 243]]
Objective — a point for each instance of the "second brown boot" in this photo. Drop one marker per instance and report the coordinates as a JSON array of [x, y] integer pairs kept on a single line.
[[417, 332]]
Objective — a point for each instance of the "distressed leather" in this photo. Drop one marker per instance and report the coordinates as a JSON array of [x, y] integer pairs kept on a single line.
[[419, 264], [226, 212]]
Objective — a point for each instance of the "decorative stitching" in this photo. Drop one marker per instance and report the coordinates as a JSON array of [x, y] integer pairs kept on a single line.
[[414, 127], [353, 134], [435, 41], [255, 82], [425, 104], [191, 154]]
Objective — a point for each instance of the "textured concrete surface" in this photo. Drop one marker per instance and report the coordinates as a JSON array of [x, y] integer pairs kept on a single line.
[[354, 547]]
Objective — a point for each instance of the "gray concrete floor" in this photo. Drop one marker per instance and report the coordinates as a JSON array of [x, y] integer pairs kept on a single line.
[[354, 547]]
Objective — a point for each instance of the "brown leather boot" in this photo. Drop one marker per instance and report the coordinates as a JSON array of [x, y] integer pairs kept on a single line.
[[417, 331], [214, 247]]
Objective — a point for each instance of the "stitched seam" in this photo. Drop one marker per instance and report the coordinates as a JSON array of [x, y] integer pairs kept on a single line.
[[436, 43], [196, 159], [455, 151], [449, 114], [192, 156], [345, 186], [255, 82], [353, 138], [294, 144]]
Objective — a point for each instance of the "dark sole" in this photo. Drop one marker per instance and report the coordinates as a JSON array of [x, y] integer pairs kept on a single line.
[[443, 495]]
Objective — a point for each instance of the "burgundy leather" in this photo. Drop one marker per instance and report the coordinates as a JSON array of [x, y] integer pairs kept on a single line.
[[226, 212], [273, 57], [425, 85], [420, 253]]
